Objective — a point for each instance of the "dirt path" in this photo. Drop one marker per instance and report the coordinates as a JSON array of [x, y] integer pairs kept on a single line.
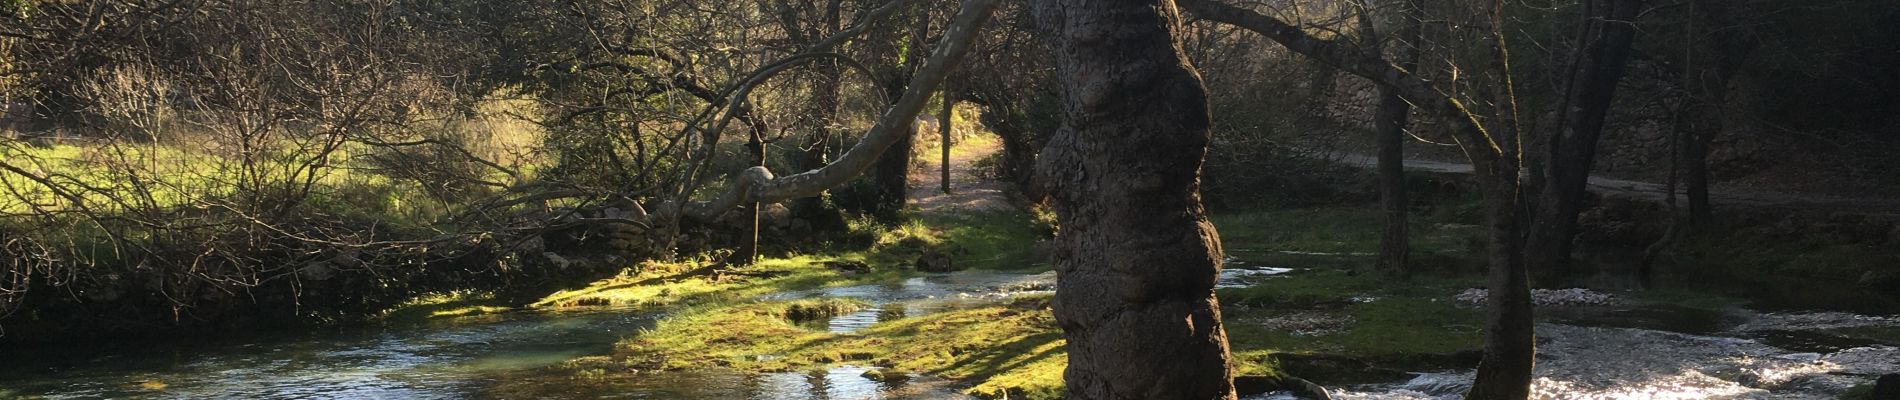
[[968, 192], [1719, 195]]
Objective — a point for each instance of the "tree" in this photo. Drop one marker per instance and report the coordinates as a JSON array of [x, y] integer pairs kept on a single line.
[[1494, 151], [1567, 153], [1136, 258], [759, 185], [943, 129], [1389, 122]]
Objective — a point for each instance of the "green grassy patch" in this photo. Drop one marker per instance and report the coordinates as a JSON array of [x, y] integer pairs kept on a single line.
[[1011, 349], [445, 305], [1766, 251], [667, 284], [1370, 316], [1342, 229]]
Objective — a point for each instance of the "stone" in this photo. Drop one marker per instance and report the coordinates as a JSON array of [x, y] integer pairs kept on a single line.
[[885, 375]]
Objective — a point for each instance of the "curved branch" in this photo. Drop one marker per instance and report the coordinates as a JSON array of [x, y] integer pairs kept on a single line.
[[1355, 62], [759, 185]]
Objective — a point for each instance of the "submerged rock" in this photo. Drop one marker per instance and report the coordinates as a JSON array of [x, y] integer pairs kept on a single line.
[[935, 261]]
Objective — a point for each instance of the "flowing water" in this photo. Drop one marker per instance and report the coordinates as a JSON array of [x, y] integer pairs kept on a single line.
[[503, 355], [1658, 351], [1590, 352], [424, 361]]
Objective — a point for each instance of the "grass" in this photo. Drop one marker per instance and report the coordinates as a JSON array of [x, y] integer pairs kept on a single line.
[[1336, 229], [1753, 252], [445, 305], [1008, 349]]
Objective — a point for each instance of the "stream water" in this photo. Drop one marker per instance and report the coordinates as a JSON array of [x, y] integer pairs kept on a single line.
[[493, 356], [1615, 351]]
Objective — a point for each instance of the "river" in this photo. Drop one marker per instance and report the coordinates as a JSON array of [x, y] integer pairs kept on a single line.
[[1601, 351]]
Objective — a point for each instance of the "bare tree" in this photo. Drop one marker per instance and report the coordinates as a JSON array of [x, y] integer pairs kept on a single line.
[[1490, 142]]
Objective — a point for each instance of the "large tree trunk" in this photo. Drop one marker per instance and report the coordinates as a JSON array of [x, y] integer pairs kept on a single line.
[[1136, 258], [1603, 48]]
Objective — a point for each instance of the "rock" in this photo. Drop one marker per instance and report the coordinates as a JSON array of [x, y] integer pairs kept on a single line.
[[556, 260], [1887, 388], [885, 375], [1252, 385], [1249, 385], [775, 216], [934, 261], [1306, 389]]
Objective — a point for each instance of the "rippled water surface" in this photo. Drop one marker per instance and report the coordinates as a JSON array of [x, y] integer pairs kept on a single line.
[[501, 355]]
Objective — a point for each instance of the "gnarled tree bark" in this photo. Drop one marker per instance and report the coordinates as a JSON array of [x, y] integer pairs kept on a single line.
[[1136, 258]]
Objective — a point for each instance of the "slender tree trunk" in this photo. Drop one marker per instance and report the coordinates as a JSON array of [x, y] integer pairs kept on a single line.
[[748, 250], [1723, 44], [1510, 347], [1603, 48], [943, 127], [1394, 244], [1695, 158], [1389, 130], [1136, 257], [1509, 334]]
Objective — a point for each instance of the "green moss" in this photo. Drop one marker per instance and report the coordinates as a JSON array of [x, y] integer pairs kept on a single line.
[[1863, 391], [1012, 348], [755, 336], [664, 284], [445, 305]]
